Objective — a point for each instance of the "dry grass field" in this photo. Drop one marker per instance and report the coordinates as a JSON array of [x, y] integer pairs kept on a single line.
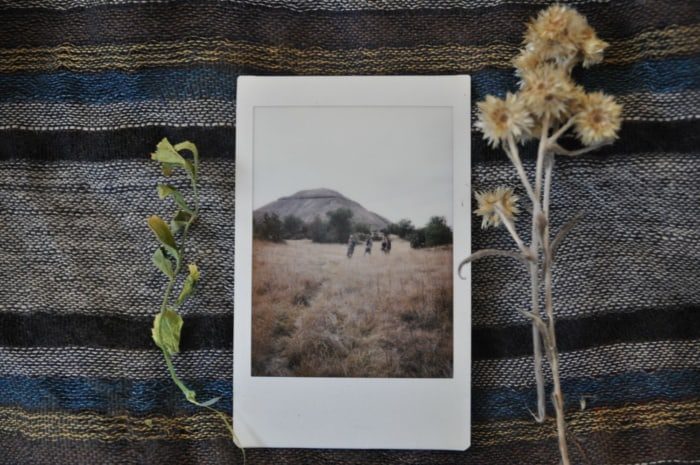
[[318, 313]]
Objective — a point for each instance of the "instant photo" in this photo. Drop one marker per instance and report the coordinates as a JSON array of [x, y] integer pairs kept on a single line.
[[352, 199]]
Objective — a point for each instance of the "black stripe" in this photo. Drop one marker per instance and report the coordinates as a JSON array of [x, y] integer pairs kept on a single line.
[[138, 23], [205, 332], [635, 137]]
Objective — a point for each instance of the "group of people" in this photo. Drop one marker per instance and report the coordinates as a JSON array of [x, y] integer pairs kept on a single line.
[[352, 242]]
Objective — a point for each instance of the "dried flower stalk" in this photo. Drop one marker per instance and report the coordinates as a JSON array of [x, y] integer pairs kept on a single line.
[[548, 106], [169, 258]]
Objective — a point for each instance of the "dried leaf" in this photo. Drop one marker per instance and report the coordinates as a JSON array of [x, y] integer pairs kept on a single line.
[[166, 190], [180, 220], [163, 263], [166, 331], [187, 145], [189, 283], [162, 231], [166, 154]]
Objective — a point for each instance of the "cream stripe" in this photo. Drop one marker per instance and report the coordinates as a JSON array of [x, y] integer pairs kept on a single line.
[[673, 41], [86, 426]]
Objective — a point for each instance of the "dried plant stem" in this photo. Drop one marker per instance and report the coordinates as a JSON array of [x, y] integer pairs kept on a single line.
[[561, 130], [552, 352], [539, 255], [559, 150], [514, 156], [534, 276], [551, 337], [508, 223]]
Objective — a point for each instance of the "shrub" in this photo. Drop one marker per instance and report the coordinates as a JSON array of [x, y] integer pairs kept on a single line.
[[437, 232], [268, 228], [339, 225], [293, 227]]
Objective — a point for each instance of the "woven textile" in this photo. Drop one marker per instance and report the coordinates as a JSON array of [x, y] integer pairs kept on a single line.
[[88, 87]]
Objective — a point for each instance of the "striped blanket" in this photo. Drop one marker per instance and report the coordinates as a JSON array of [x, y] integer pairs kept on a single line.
[[88, 87]]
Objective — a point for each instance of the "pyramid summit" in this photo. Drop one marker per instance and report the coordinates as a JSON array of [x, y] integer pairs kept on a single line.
[[309, 203]]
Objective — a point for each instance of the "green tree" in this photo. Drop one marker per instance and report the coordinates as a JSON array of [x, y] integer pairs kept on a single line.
[[318, 230], [339, 225], [403, 228], [437, 232], [417, 238], [268, 228], [361, 228], [292, 227]]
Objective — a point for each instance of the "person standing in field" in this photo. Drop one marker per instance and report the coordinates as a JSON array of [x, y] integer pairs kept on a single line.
[[386, 244], [351, 246], [368, 246]]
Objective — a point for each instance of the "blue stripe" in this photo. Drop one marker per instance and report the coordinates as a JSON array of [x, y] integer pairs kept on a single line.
[[219, 82], [101, 395], [502, 403]]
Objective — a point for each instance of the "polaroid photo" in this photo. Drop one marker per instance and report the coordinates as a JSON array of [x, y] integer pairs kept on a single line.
[[352, 327]]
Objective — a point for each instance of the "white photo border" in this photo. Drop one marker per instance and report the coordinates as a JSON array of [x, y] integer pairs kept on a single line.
[[358, 413]]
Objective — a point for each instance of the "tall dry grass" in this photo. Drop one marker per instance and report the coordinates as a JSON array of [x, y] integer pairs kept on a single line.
[[318, 313]]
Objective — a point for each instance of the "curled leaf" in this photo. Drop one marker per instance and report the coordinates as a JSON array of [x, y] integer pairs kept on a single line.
[[189, 283], [180, 220], [165, 190], [187, 145], [167, 326], [194, 271], [170, 158]]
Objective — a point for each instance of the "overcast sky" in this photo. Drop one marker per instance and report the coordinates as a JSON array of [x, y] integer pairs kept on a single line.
[[394, 161]]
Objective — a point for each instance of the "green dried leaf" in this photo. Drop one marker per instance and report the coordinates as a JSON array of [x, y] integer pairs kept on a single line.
[[162, 231], [166, 190], [166, 331], [210, 402], [189, 284], [180, 220], [163, 263], [187, 145], [168, 169], [165, 237], [166, 154]]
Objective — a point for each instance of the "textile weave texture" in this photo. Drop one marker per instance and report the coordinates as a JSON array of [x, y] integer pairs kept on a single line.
[[88, 87]]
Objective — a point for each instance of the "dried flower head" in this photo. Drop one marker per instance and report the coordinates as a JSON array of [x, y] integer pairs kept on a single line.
[[527, 61], [562, 34], [547, 90], [599, 120], [591, 46], [488, 201], [554, 32], [499, 118]]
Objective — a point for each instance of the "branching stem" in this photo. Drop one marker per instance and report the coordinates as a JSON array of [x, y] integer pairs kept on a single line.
[[559, 150]]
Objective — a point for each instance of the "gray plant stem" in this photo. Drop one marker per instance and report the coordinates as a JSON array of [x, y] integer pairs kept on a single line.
[[534, 275], [551, 337], [533, 268]]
